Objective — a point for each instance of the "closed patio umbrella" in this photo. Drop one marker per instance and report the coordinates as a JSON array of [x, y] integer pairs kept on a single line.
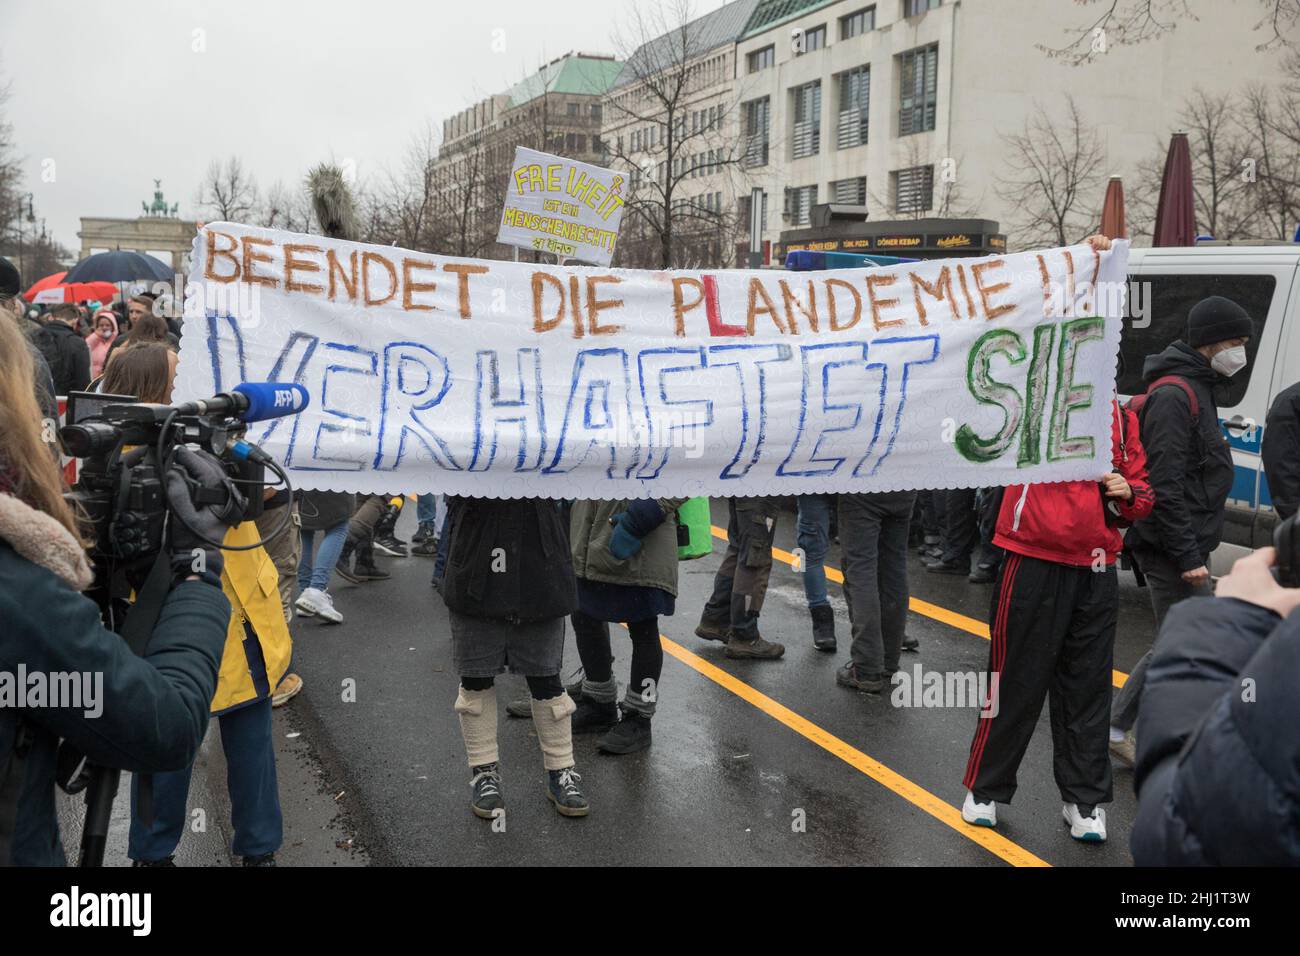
[[1113, 224], [1175, 213]]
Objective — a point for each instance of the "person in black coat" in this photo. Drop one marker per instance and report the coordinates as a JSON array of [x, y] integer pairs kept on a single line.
[[65, 350], [1218, 748], [1281, 451], [509, 586], [1189, 465]]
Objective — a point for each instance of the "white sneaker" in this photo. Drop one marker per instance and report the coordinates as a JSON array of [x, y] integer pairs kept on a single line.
[[1087, 829], [979, 814], [304, 604], [314, 602]]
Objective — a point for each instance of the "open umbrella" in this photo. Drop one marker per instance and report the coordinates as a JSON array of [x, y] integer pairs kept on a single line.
[[1113, 225], [1175, 213], [118, 266], [53, 289]]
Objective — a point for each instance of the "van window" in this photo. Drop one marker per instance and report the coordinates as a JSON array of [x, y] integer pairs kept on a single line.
[[1166, 299]]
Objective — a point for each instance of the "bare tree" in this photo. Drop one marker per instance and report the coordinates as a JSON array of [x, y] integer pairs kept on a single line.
[[664, 145], [1220, 182], [1052, 178], [1128, 22], [286, 208], [1273, 159], [228, 193]]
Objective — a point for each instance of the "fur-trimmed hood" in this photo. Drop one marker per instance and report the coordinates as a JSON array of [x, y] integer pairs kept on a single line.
[[42, 540]]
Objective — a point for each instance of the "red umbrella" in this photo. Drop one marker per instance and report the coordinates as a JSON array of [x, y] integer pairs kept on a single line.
[[1175, 214], [1113, 225], [53, 289]]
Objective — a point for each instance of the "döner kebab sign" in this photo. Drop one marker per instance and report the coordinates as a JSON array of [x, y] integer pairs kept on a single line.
[[503, 379]]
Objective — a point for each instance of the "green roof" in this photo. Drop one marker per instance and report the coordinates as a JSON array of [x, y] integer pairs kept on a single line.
[[772, 12], [581, 75]]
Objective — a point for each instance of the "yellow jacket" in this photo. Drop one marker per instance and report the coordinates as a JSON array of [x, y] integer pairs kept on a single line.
[[256, 656]]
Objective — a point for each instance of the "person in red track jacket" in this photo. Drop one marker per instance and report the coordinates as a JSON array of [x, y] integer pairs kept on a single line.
[[1052, 625]]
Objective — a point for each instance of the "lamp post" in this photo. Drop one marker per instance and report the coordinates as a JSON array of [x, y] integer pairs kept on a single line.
[[31, 217]]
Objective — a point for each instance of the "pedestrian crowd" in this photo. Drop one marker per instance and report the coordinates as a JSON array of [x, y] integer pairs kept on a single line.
[[515, 574]]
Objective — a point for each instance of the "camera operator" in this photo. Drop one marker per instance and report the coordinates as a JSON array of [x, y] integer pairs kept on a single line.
[[151, 711], [1218, 752]]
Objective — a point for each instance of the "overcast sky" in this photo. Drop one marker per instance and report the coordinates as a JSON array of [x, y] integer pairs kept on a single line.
[[119, 93]]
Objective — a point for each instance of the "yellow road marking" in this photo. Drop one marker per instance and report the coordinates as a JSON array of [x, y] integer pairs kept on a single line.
[[918, 796], [933, 611]]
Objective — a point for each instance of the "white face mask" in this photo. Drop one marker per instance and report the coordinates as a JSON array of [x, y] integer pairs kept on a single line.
[[1230, 361]]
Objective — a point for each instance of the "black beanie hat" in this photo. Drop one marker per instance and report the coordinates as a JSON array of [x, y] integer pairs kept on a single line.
[[10, 282], [1217, 319]]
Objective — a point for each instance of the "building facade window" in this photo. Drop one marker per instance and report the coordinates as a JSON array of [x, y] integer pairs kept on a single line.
[[856, 24], [855, 99], [757, 60], [914, 8], [807, 137], [812, 39], [918, 89], [799, 201], [852, 192], [758, 115], [913, 189]]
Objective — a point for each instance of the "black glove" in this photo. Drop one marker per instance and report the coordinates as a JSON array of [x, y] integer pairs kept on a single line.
[[204, 503]]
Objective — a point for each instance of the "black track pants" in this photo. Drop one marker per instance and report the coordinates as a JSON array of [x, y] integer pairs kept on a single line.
[[1053, 633]]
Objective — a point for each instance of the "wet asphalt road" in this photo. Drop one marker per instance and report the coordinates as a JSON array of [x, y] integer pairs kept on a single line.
[[725, 782]]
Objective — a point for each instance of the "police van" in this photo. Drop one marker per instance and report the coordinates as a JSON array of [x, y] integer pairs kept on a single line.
[[1264, 278]]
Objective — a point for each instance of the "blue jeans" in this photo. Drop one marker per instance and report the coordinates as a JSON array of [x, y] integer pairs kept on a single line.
[[315, 573], [250, 781], [813, 532], [429, 510]]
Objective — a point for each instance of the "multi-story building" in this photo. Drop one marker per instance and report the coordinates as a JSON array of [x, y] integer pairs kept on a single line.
[[671, 121], [557, 110], [904, 105]]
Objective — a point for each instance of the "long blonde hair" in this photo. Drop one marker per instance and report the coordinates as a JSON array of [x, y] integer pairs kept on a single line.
[[30, 469]]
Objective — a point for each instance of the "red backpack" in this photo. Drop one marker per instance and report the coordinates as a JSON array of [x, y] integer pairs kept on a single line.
[[1138, 402]]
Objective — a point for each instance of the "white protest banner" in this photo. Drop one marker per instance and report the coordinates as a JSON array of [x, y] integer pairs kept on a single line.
[[562, 206], [502, 379]]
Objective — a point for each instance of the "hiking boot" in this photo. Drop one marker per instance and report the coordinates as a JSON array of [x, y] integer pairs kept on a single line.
[[344, 566], [713, 630], [369, 571], [422, 533], [427, 548], [593, 716], [1124, 752], [262, 859], [485, 791], [755, 648], [850, 676], [391, 545], [823, 618], [286, 690], [346, 573], [562, 789], [629, 735]]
